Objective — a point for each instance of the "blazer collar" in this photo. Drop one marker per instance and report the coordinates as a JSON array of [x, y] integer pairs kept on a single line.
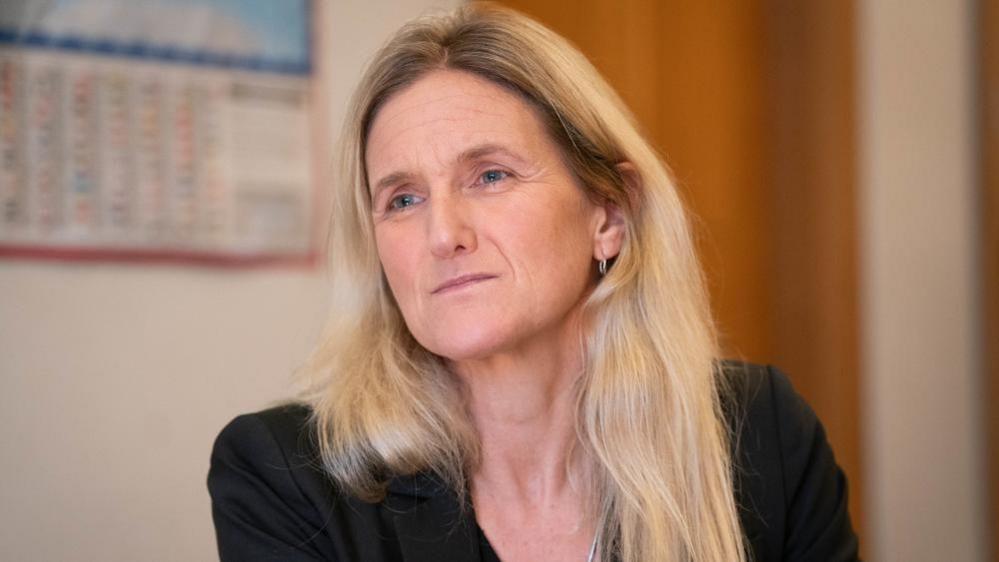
[[430, 522]]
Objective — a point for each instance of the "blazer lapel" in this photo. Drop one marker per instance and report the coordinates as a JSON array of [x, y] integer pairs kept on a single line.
[[430, 523]]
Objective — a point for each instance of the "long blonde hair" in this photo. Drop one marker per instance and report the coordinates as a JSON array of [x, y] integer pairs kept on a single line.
[[648, 410]]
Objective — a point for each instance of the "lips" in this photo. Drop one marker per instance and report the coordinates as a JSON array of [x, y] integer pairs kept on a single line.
[[461, 281]]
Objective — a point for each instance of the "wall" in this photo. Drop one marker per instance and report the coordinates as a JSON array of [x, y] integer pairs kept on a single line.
[[918, 202], [114, 379]]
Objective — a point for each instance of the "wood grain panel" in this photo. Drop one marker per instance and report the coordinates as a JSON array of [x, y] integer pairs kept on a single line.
[[692, 72], [813, 117], [751, 104], [988, 48]]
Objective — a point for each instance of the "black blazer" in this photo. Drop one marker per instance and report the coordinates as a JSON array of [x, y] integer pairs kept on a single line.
[[271, 502]]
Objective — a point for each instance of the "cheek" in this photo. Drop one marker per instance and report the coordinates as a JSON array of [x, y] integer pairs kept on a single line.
[[398, 259], [560, 234], [554, 250]]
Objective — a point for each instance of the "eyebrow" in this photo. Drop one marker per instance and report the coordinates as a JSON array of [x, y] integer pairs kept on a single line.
[[473, 153], [482, 150], [390, 180]]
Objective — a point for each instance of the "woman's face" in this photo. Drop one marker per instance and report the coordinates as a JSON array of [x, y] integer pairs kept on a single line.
[[486, 239]]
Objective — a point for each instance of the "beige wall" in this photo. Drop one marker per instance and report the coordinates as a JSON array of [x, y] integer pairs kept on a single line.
[[925, 479], [114, 379]]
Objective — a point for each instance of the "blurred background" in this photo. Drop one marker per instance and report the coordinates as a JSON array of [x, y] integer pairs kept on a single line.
[[841, 159]]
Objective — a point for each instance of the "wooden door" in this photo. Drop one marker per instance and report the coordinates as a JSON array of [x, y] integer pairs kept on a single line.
[[751, 103]]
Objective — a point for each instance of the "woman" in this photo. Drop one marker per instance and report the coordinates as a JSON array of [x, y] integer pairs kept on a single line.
[[522, 364]]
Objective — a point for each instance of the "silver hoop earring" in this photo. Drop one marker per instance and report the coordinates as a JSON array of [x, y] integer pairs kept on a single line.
[[602, 267]]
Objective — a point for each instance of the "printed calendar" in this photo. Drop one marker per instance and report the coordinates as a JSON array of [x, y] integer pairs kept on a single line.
[[177, 129]]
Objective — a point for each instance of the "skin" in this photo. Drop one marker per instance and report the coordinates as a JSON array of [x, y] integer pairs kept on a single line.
[[488, 243]]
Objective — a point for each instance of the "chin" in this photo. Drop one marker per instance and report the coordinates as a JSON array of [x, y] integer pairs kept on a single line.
[[466, 343]]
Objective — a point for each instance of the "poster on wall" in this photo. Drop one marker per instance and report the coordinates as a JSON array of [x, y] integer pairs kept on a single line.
[[157, 129]]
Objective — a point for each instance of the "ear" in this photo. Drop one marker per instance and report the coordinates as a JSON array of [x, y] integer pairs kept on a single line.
[[610, 231]]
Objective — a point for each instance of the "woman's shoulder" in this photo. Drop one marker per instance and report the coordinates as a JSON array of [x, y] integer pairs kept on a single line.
[[272, 500], [277, 444], [269, 492], [792, 495], [284, 426], [758, 399]]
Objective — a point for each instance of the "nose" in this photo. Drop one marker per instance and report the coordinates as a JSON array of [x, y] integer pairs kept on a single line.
[[450, 230]]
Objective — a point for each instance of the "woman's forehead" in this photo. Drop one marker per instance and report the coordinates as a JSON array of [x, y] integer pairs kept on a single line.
[[445, 114]]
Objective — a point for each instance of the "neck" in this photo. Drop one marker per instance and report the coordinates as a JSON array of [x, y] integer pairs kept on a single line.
[[530, 490], [523, 407]]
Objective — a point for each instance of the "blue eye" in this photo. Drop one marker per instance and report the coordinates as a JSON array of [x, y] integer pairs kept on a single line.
[[402, 201], [493, 176]]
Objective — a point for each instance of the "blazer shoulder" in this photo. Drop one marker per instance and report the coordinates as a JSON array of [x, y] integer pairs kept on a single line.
[[754, 394], [792, 495], [278, 436], [287, 424], [267, 487]]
